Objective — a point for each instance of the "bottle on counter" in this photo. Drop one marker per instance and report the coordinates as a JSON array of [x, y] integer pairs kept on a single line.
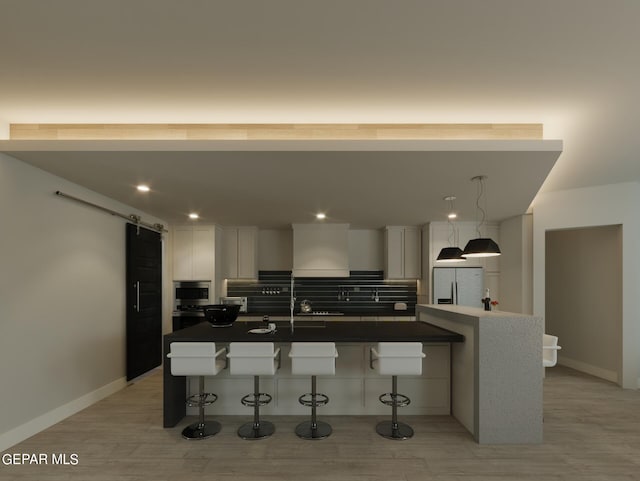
[[487, 300]]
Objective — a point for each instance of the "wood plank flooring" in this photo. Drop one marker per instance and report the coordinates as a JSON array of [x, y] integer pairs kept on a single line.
[[592, 433]]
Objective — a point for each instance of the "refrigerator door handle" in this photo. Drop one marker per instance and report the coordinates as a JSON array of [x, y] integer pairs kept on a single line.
[[457, 292], [453, 300]]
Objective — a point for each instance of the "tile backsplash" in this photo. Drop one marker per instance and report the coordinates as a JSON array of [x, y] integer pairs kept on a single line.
[[363, 293]]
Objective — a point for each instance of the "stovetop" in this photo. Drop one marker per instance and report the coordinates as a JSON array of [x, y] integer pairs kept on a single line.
[[321, 313]]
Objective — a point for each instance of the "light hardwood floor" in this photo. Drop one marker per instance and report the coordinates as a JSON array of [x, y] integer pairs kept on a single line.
[[591, 433]]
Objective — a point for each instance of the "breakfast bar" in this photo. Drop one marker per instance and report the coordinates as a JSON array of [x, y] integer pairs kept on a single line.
[[355, 388], [496, 373]]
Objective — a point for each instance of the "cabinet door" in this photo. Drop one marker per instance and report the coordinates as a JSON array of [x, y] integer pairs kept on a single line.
[[241, 252], [394, 253], [231, 252], [193, 252], [182, 253], [203, 253], [247, 252], [411, 253]]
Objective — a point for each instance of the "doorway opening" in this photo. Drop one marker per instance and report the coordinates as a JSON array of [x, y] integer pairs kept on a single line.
[[583, 292]]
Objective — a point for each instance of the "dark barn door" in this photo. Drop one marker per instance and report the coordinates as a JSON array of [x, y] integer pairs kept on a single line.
[[144, 300]]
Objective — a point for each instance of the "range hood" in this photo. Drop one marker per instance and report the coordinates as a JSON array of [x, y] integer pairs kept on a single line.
[[320, 250]]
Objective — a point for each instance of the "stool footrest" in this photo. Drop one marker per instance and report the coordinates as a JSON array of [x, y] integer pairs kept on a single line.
[[201, 399], [310, 400], [394, 399], [256, 399]]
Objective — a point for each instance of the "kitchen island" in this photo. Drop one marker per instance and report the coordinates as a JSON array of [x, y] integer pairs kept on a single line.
[[497, 372], [355, 388]]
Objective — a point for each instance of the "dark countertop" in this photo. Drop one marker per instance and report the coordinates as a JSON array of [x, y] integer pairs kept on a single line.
[[318, 331], [407, 313]]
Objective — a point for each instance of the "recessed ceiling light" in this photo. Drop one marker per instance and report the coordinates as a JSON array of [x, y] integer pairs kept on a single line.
[[193, 215], [321, 216], [143, 188], [453, 215]]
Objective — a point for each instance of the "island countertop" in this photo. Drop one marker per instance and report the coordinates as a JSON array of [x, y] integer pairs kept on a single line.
[[496, 373], [319, 331], [346, 333]]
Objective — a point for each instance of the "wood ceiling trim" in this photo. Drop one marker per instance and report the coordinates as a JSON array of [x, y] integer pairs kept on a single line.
[[274, 131]]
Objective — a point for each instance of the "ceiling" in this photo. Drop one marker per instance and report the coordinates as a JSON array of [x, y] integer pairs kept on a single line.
[[570, 65], [364, 183]]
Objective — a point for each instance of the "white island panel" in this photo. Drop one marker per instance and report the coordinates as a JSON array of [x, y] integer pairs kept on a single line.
[[354, 390]]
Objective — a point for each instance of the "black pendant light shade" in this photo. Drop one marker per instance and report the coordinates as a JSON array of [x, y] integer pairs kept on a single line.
[[481, 247], [450, 254]]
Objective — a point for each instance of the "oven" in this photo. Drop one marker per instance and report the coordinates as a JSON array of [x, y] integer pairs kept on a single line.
[[189, 297]]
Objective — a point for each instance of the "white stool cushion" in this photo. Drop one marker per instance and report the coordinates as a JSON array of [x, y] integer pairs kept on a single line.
[[549, 350], [253, 358], [398, 358], [195, 359], [313, 358]]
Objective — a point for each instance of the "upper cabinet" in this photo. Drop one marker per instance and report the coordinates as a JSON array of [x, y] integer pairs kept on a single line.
[[193, 252], [321, 250], [241, 252], [402, 252]]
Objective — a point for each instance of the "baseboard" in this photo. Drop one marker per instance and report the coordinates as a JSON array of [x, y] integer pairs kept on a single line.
[[605, 374], [46, 420]]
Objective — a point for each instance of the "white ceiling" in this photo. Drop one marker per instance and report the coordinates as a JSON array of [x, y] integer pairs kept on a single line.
[[363, 183], [571, 65]]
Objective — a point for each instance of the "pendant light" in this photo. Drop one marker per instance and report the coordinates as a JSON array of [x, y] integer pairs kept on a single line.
[[451, 253], [482, 246]]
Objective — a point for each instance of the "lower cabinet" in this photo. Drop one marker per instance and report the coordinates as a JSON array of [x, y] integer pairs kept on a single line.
[[354, 390]]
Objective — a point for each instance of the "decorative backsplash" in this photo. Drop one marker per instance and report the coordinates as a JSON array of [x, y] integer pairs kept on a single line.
[[363, 293]]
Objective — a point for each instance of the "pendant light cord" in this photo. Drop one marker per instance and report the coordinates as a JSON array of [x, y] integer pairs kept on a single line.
[[479, 207], [453, 241]]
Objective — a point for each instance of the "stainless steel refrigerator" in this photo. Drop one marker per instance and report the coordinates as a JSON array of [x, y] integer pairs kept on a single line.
[[463, 286]]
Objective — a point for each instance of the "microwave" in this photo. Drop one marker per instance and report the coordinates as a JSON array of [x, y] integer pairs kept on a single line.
[[240, 301], [190, 294]]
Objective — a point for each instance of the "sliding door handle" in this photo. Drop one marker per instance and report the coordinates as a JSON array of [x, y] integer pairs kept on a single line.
[[137, 306]]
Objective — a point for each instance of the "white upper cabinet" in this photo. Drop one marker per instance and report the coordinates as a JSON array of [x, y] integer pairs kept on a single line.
[[321, 250], [193, 252], [241, 252], [402, 252]]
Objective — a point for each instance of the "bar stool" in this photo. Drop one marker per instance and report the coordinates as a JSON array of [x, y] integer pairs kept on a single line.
[[256, 359], [198, 359], [316, 359], [396, 359]]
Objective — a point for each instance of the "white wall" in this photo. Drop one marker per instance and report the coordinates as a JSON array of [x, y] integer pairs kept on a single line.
[[516, 264], [62, 299], [589, 207], [583, 292]]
